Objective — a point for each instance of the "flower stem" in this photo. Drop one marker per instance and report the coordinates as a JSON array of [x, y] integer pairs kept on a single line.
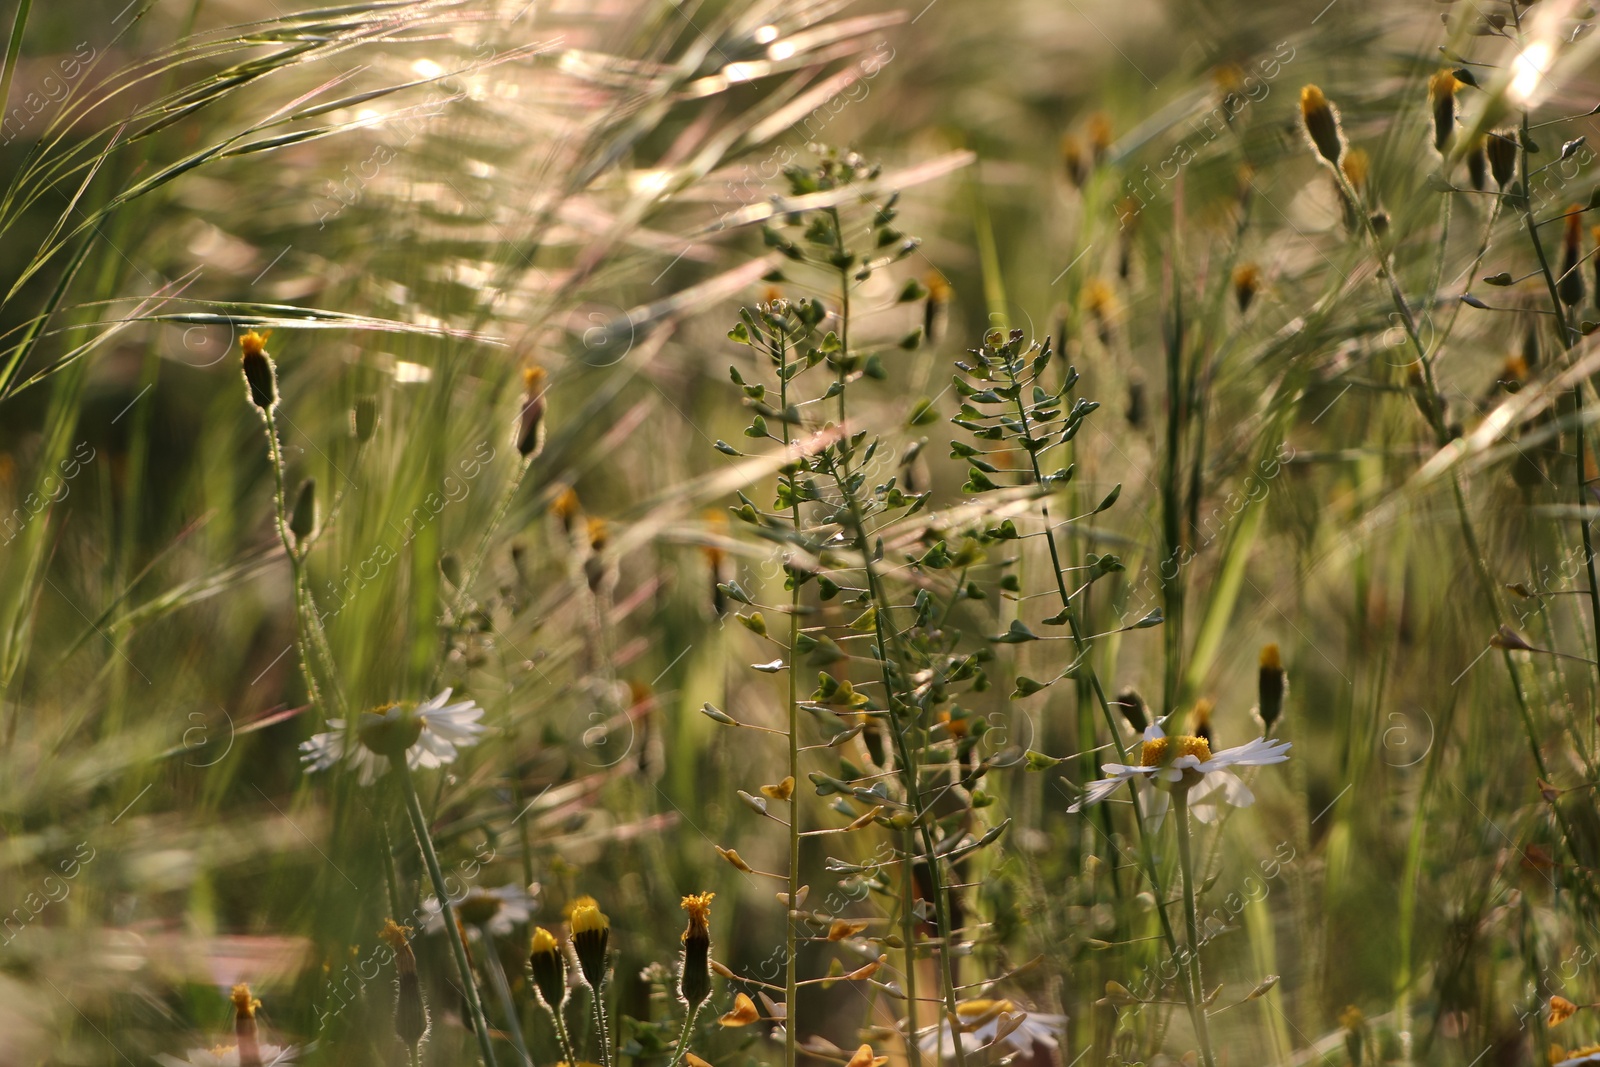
[[458, 949], [281, 521], [791, 973], [502, 992], [598, 993], [683, 1038], [1196, 993], [563, 1038]]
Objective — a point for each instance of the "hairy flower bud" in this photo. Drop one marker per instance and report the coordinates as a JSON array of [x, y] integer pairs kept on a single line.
[[1501, 148], [694, 982], [549, 968], [259, 374], [1320, 120]]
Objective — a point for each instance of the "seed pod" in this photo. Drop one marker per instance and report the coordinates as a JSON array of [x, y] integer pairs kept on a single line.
[[1273, 687], [549, 968], [364, 418], [591, 931], [1501, 148], [694, 980], [244, 1026], [1320, 120], [1442, 97], [410, 1010], [303, 521], [1570, 287], [260, 376], [530, 431]]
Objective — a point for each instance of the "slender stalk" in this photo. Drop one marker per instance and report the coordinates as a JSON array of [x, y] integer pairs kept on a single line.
[[281, 521], [883, 625], [502, 992], [481, 553], [791, 975], [458, 949], [563, 1039], [1081, 647], [1428, 405], [1196, 992], [597, 994], [683, 1036]]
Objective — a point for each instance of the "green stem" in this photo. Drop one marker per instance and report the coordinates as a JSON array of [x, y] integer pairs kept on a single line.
[[791, 978], [481, 553], [887, 635], [598, 995], [683, 1037], [1081, 646], [563, 1039], [502, 992], [286, 537], [1196, 992], [447, 911]]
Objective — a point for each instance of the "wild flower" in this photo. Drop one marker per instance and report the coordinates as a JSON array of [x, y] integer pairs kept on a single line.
[[247, 1051], [428, 735], [1185, 762], [497, 911], [1002, 1023]]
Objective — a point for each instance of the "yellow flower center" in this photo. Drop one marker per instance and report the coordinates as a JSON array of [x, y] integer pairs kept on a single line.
[[478, 907], [389, 736], [1164, 750]]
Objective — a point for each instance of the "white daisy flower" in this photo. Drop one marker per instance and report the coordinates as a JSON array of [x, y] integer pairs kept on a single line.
[[428, 733], [228, 1056], [1003, 1024], [497, 910], [1184, 762], [1582, 1057]]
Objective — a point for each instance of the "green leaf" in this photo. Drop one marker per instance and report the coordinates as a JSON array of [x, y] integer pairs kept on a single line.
[[1111, 498]]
